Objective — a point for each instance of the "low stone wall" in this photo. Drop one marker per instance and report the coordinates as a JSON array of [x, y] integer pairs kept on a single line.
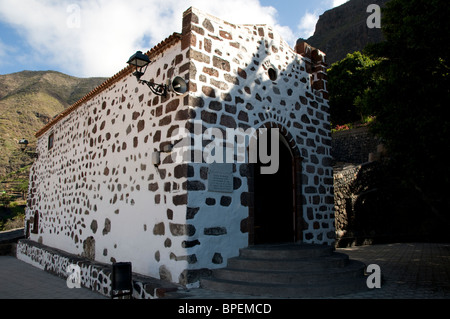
[[353, 146], [354, 185], [95, 276], [372, 206], [8, 240], [11, 236]]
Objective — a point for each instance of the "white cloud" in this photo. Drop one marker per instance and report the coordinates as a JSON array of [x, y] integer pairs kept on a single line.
[[337, 3], [96, 37], [308, 21], [307, 24], [244, 12]]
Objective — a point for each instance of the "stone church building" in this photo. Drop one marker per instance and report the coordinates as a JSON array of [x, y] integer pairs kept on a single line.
[[106, 185]]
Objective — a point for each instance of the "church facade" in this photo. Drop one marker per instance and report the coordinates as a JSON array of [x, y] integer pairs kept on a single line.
[[128, 175]]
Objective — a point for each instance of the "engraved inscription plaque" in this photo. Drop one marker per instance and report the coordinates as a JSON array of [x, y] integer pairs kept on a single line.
[[220, 178]]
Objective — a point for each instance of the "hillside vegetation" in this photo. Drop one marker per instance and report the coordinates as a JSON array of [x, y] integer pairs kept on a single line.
[[28, 100]]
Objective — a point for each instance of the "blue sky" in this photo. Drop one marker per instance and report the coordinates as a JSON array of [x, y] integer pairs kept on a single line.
[[95, 37]]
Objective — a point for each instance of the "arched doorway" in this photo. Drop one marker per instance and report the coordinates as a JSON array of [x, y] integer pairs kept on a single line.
[[275, 215]]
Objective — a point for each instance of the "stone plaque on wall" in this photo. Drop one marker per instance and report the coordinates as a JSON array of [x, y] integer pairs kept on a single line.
[[220, 178]]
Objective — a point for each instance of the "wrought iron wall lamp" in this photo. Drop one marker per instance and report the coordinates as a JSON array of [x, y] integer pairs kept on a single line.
[[141, 61]]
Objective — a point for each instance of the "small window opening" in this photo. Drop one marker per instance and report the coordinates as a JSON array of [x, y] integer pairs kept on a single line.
[[272, 74], [35, 229], [51, 139]]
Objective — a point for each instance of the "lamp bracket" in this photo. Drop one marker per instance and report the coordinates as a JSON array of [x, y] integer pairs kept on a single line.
[[158, 89]]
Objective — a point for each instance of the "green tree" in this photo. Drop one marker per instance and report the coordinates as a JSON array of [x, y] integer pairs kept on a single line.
[[22, 187], [348, 80], [5, 199], [411, 99]]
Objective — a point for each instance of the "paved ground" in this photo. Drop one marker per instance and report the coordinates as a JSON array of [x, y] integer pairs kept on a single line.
[[410, 271], [416, 270], [19, 280]]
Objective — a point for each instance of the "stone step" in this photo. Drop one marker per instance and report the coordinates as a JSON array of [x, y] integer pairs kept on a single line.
[[288, 270], [326, 289], [289, 264], [353, 269], [282, 251]]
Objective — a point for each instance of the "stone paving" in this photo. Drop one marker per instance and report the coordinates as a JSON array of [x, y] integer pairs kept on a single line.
[[409, 271], [19, 280]]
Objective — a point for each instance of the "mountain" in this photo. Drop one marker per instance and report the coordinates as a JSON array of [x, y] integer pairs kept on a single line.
[[28, 100], [343, 30]]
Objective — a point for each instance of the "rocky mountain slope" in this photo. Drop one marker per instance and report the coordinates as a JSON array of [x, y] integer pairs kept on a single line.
[[28, 100], [343, 30]]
